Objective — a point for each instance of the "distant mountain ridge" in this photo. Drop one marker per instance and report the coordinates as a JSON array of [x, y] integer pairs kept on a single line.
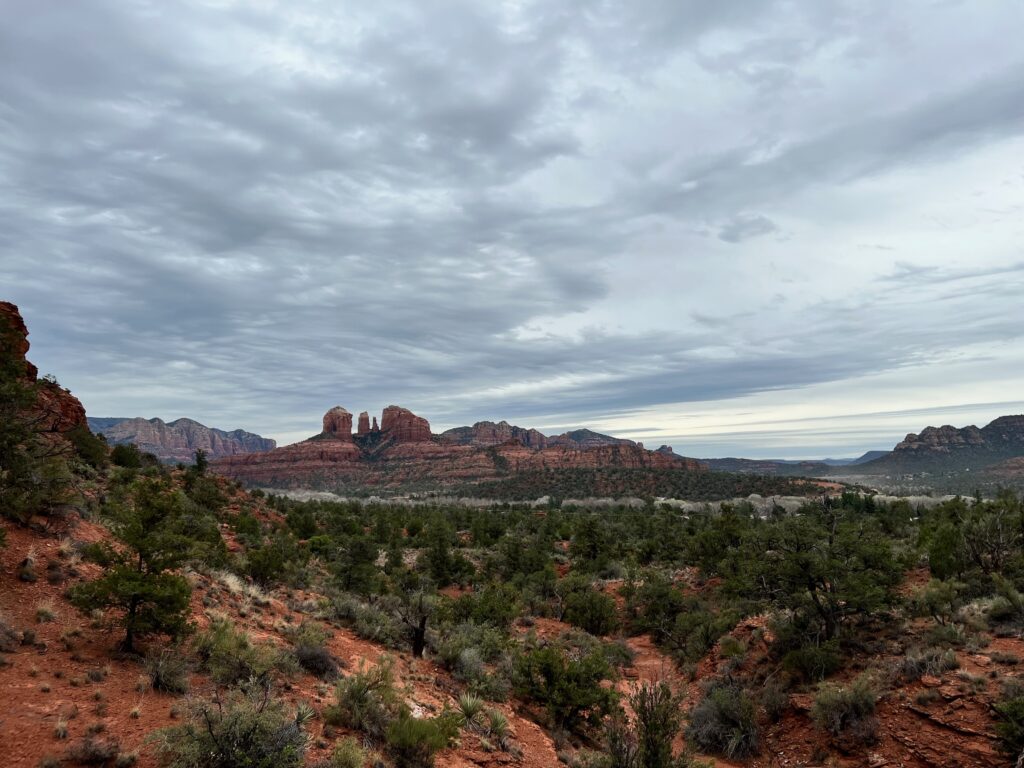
[[952, 449], [178, 440]]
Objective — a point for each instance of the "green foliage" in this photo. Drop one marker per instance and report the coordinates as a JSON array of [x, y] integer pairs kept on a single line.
[[127, 455], [230, 656], [366, 700], [826, 564], [658, 712], [939, 600], [347, 754], [568, 685], [847, 712], [137, 582], [168, 670], [725, 721], [413, 742], [496, 605], [1010, 719], [592, 611], [814, 662], [90, 448], [249, 728]]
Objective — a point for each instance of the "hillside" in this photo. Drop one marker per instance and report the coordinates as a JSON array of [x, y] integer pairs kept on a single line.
[[948, 458], [178, 440]]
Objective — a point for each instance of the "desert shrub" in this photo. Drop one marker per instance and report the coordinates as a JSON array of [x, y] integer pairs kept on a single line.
[[249, 728], [847, 712], [725, 721], [93, 750], [471, 709], [413, 742], [127, 455], [567, 685], [347, 753], [930, 661], [496, 605], [370, 622], [366, 700], [813, 662], [230, 656], [168, 670], [591, 611], [317, 660], [774, 697], [1010, 718], [484, 642], [90, 448], [659, 716]]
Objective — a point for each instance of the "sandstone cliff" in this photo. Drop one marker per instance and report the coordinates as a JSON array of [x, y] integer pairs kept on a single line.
[[178, 440], [57, 410]]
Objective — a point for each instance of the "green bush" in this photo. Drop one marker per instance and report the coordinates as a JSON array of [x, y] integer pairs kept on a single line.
[[1010, 718], [591, 611], [659, 716], [568, 685], [930, 661], [347, 754], [814, 662], [230, 656], [847, 712], [725, 721], [366, 700], [249, 729], [168, 670], [414, 742]]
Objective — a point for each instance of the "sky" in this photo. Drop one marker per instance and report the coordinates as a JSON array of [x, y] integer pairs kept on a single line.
[[755, 228]]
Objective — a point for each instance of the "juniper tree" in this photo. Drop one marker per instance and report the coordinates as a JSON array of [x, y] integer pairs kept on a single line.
[[138, 581]]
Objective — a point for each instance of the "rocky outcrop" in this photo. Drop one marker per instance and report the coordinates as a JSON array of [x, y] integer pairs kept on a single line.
[[179, 440], [338, 424], [364, 424], [56, 409], [400, 425], [587, 438], [943, 439], [949, 450], [487, 433]]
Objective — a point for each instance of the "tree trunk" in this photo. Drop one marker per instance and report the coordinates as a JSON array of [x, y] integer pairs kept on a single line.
[[419, 638]]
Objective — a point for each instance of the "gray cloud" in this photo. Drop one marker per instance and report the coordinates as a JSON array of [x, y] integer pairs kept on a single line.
[[247, 214], [746, 226]]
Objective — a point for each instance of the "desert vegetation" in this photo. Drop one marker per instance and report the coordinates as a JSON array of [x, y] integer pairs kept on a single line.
[[164, 614]]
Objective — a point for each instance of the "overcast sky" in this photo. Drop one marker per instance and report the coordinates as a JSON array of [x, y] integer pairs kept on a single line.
[[741, 228]]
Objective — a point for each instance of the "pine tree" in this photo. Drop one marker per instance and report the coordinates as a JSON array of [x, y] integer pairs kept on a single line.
[[137, 581]]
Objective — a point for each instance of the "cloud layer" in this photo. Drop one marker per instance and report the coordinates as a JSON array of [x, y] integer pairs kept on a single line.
[[561, 213]]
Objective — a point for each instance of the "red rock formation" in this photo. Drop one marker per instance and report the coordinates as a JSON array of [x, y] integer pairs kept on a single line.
[[338, 423], [364, 424], [486, 433], [60, 411], [408, 455], [403, 426], [375, 428]]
